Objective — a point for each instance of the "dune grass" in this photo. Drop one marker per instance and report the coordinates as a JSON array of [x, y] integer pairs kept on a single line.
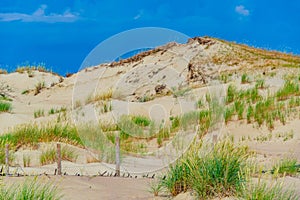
[[26, 160], [39, 113], [286, 166], [31, 134], [222, 171], [245, 79], [38, 87], [249, 104], [104, 96], [5, 106], [30, 189], [49, 156], [264, 191], [53, 111], [155, 188], [2, 156], [289, 89], [141, 120], [219, 172], [180, 91]]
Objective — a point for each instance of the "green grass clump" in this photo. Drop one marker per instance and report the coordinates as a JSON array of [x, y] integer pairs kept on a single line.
[[107, 107], [129, 128], [231, 94], [2, 155], [30, 189], [141, 120], [287, 166], [145, 98], [93, 137], [245, 79], [5, 106], [286, 135], [175, 123], [189, 119], [294, 102], [38, 87], [53, 111], [49, 156], [31, 134], [250, 114], [155, 188], [104, 96], [38, 113], [180, 91], [239, 109], [176, 180], [260, 84], [200, 103], [25, 91], [205, 121], [228, 114], [26, 160], [162, 135], [218, 173], [263, 191], [289, 89]]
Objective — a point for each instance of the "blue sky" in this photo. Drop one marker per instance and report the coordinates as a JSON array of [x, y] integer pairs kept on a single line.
[[62, 33]]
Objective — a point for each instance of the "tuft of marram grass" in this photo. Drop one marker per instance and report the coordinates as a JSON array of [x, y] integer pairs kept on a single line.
[[2, 155], [38, 87], [49, 156], [220, 172], [5, 106], [31, 134], [141, 120], [289, 89], [30, 189], [39, 113], [264, 191], [245, 79], [104, 96], [286, 166]]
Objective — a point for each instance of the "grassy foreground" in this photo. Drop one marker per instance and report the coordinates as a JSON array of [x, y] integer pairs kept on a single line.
[[30, 189]]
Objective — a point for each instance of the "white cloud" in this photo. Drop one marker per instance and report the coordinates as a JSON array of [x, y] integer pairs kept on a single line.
[[242, 10], [40, 16]]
